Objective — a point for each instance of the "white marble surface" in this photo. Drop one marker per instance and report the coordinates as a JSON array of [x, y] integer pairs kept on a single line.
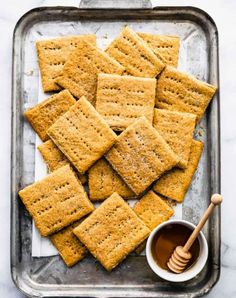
[[224, 14]]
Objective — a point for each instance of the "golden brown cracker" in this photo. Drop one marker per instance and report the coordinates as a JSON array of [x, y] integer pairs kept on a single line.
[[112, 231], [141, 155], [141, 247], [135, 55], [177, 129], [82, 135], [55, 159], [45, 113], [165, 45], [176, 182], [152, 210], [178, 91], [52, 55], [123, 99], [68, 245], [79, 74], [103, 181], [56, 201]]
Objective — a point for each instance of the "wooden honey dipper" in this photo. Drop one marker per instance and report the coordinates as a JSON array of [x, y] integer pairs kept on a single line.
[[181, 255]]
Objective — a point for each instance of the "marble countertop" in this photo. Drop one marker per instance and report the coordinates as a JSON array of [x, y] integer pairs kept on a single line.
[[224, 14]]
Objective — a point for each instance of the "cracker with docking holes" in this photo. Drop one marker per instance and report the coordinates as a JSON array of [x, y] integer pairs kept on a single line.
[[123, 99], [178, 91], [79, 74], [131, 51], [56, 201], [55, 159], [176, 182], [141, 155], [45, 113], [103, 181], [82, 135], [177, 129], [165, 45], [53, 54], [112, 231], [68, 245], [152, 210]]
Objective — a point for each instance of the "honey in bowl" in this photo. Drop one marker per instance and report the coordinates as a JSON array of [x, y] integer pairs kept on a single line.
[[166, 240]]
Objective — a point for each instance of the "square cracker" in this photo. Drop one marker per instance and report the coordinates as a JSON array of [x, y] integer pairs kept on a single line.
[[152, 210], [141, 155], [103, 181], [68, 245], [82, 135], [165, 45], [176, 182], [177, 129], [112, 231], [178, 91], [79, 74], [45, 113], [123, 99], [131, 51], [52, 55], [56, 201], [55, 159]]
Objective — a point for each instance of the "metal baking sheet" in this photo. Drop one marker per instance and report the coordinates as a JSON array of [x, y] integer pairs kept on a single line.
[[48, 276]]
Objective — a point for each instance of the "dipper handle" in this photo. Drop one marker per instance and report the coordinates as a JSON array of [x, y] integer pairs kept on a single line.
[[216, 199], [181, 255]]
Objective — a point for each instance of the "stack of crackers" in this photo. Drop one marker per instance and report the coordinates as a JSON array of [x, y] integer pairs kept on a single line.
[[123, 119]]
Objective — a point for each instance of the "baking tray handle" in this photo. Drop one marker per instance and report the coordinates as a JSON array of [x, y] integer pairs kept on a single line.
[[117, 4]]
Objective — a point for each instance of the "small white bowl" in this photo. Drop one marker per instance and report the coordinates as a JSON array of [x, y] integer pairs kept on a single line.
[[189, 273]]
